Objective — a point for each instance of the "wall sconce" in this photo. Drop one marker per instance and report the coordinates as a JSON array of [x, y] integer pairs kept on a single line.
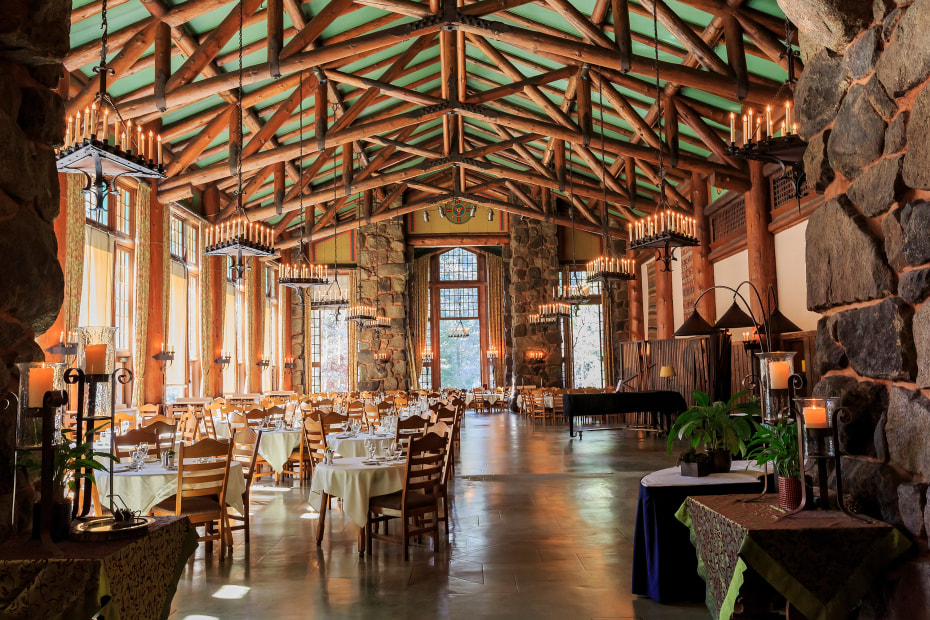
[[535, 356], [289, 365], [427, 356], [223, 360], [263, 363], [383, 357], [165, 356], [65, 348], [493, 355]]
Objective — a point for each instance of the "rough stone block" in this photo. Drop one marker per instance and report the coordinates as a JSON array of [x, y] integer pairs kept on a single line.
[[908, 421], [901, 594], [829, 354], [879, 99], [845, 263], [915, 224], [917, 157], [906, 60], [830, 23], [35, 33], [819, 92], [858, 136], [878, 340], [874, 487], [878, 187], [34, 290], [912, 500], [896, 134], [866, 403], [894, 240], [817, 163], [862, 54], [914, 286], [42, 115], [922, 345]]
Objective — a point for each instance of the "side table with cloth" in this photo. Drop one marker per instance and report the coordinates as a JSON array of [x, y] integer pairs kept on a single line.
[[822, 562], [140, 575], [664, 569], [355, 483], [141, 490], [352, 446], [277, 446], [663, 403]]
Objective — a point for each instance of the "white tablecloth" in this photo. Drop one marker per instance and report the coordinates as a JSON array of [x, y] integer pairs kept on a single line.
[[141, 490], [355, 446], [277, 446], [355, 483], [547, 401], [671, 476]]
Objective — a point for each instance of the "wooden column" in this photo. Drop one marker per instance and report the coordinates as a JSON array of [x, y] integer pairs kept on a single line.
[[257, 327], [157, 321], [217, 267], [284, 308], [759, 241], [635, 291], [665, 311], [700, 255]]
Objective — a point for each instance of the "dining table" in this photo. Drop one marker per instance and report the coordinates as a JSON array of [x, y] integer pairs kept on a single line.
[[277, 446], [355, 480], [353, 444], [141, 490]]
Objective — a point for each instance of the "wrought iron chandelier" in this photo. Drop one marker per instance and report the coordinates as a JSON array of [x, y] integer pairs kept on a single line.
[[558, 310], [304, 274], [88, 150], [666, 229], [568, 293], [240, 237], [459, 331]]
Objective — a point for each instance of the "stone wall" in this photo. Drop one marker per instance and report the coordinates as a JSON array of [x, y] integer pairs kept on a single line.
[[533, 256], [383, 284], [33, 40], [864, 105]]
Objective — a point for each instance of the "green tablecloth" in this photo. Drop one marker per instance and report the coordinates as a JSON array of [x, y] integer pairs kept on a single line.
[[139, 574], [822, 562]]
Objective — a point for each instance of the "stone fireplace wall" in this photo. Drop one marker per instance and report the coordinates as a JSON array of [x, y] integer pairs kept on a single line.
[[533, 256], [863, 103], [33, 41]]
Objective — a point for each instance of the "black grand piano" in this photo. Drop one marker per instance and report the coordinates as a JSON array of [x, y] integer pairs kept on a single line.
[[662, 403]]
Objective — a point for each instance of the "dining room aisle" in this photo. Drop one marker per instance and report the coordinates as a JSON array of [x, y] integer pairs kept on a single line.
[[541, 528]]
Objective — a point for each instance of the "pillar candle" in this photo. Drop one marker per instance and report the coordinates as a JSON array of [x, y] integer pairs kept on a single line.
[[151, 147], [815, 417], [95, 359], [778, 374], [732, 128], [40, 381], [159, 150]]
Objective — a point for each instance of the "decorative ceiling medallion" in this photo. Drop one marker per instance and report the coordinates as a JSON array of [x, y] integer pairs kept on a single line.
[[457, 211]]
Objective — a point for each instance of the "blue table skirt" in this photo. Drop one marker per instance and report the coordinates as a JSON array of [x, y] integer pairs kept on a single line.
[[664, 560]]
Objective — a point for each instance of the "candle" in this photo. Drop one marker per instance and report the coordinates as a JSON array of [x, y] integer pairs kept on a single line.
[[815, 417], [159, 150], [787, 114], [93, 119], [95, 359], [732, 128], [69, 131], [41, 380], [86, 123], [151, 147], [803, 366], [778, 373], [745, 131], [768, 120]]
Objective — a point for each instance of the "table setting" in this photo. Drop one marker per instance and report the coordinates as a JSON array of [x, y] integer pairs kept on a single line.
[[278, 442], [355, 480]]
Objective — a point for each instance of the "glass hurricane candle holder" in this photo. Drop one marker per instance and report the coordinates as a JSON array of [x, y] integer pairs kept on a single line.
[[775, 370], [35, 379], [818, 416], [97, 357]]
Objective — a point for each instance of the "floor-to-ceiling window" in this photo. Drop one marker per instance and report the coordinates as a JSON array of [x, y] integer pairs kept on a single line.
[[329, 348], [583, 338], [458, 300], [182, 378]]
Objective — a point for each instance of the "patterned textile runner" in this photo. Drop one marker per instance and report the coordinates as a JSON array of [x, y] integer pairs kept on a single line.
[[822, 562], [140, 574]]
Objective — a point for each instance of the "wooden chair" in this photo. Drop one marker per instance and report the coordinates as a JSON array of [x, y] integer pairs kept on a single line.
[[119, 417], [147, 411], [419, 498], [413, 423], [124, 443], [164, 433], [245, 451], [255, 417], [299, 464], [333, 422], [326, 404], [190, 428], [356, 409], [201, 490], [385, 408], [275, 412], [538, 407], [372, 416], [237, 422], [314, 442]]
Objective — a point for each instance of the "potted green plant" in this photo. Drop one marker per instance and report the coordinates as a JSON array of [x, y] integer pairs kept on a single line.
[[69, 458], [716, 426], [694, 464], [778, 444]]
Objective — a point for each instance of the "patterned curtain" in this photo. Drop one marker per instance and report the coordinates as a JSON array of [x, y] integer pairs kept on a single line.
[[206, 319], [254, 286], [496, 314], [74, 256], [607, 322], [353, 334], [308, 350], [143, 273], [419, 318]]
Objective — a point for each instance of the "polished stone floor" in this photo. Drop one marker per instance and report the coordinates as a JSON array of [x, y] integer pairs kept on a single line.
[[542, 528]]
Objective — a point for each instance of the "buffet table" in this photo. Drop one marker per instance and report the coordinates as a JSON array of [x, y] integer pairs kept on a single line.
[[822, 562], [664, 569], [138, 576]]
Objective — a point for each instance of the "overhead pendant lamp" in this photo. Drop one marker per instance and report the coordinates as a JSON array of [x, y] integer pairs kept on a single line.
[[88, 150]]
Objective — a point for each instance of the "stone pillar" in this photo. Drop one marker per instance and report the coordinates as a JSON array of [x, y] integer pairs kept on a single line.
[[760, 243], [51, 337], [298, 345], [635, 291], [534, 270], [700, 255], [383, 282], [33, 40], [507, 319]]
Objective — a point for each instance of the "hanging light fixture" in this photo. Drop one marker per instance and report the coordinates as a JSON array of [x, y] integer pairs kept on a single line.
[[303, 274], [239, 238], [667, 228], [87, 149], [557, 310], [606, 268], [541, 321], [333, 296], [570, 293], [363, 314], [459, 331]]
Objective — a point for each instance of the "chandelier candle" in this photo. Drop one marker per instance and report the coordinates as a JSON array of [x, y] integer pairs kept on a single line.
[[667, 222]]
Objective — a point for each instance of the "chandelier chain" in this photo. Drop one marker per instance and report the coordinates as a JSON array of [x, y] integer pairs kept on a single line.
[[241, 207], [655, 35]]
